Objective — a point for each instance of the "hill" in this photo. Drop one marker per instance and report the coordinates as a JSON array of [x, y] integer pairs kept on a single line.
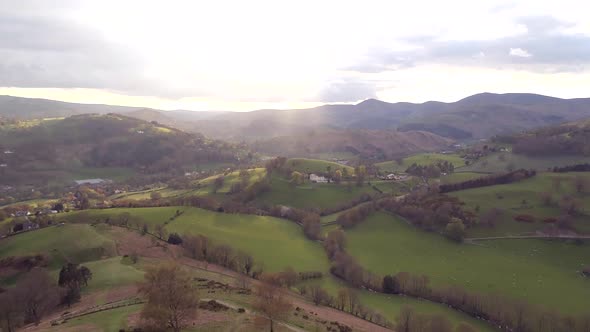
[[35, 108], [366, 143], [479, 116], [102, 141], [569, 138]]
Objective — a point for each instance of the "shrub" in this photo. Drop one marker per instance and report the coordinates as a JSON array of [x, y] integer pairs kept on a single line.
[[525, 218], [175, 239]]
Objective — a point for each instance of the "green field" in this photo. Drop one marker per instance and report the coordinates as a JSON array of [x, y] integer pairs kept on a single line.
[[419, 159], [110, 320], [509, 198], [341, 155], [315, 166], [542, 272], [110, 273], [274, 242], [311, 195], [503, 161], [206, 185], [74, 243]]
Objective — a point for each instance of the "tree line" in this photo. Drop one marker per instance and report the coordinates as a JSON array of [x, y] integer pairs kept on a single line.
[[490, 180]]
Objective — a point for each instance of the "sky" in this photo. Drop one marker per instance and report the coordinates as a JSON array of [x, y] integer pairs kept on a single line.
[[247, 55]]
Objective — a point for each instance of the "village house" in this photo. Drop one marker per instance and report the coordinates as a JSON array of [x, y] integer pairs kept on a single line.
[[318, 178], [90, 182], [393, 177]]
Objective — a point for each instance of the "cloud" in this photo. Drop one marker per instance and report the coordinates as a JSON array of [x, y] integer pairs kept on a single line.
[[544, 47], [519, 52], [347, 90], [54, 52]]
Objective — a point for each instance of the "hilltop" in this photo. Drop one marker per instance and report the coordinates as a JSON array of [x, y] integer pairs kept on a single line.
[[103, 141], [479, 116]]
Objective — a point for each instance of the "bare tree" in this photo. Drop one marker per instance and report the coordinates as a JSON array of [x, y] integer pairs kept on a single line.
[[161, 232], [271, 303], [38, 293], [172, 298], [405, 319]]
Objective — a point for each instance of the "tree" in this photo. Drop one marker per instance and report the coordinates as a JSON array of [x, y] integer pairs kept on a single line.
[[218, 183], [296, 178], [360, 172], [161, 231], [390, 285], [73, 277], [455, 230], [59, 207], [11, 313], [337, 176], [342, 299], [312, 227], [2, 215], [175, 239], [172, 298], [406, 319], [271, 302], [155, 196], [38, 294], [318, 295]]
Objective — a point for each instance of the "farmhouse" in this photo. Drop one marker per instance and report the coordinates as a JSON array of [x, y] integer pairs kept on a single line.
[[90, 181], [318, 178], [394, 177]]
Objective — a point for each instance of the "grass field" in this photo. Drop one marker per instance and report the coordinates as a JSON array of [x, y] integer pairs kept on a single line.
[[502, 161], [274, 242], [509, 198], [315, 165], [420, 159], [342, 155], [75, 243], [111, 272], [110, 320], [542, 272], [206, 185], [311, 195]]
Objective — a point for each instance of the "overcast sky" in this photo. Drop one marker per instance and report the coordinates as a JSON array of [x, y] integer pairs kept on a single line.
[[245, 55]]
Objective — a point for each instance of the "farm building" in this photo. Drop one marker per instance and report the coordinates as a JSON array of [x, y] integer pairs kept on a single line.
[[318, 178], [90, 181]]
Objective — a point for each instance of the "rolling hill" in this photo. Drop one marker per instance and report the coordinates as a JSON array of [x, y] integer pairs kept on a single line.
[[379, 144], [103, 141], [479, 116]]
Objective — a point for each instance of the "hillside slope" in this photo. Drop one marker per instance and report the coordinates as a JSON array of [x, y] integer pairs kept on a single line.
[[105, 141], [478, 116], [379, 144]]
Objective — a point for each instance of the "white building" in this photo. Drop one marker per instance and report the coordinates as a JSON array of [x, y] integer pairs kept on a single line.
[[317, 178]]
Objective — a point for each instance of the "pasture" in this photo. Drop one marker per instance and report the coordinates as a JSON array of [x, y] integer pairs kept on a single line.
[[524, 197], [304, 165], [311, 195], [504, 161], [543, 272], [273, 242], [77, 243], [419, 159]]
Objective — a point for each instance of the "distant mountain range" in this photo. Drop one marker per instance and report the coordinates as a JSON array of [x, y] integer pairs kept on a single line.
[[478, 116]]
